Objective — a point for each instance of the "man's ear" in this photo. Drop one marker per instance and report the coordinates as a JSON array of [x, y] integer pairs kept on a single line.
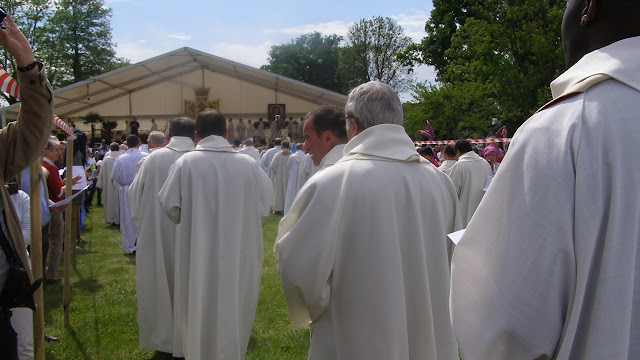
[[589, 12]]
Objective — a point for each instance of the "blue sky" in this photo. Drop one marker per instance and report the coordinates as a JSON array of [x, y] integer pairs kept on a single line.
[[244, 31]]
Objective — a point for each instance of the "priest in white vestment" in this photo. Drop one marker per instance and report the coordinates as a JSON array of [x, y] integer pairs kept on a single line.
[[470, 175], [280, 170], [154, 142], [260, 130], [267, 158], [293, 184], [362, 253], [124, 170], [251, 130], [110, 197], [155, 251], [250, 150], [231, 131], [241, 131], [450, 158], [218, 198], [548, 267]]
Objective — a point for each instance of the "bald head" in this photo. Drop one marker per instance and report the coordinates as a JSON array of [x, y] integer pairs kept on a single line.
[[589, 25]]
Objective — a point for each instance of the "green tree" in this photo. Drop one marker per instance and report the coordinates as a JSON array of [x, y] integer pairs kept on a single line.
[[310, 58], [372, 52], [78, 43], [455, 111], [507, 51], [446, 17], [29, 17]]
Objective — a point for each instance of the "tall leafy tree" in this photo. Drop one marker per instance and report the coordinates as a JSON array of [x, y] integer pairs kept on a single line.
[[29, 17], [310, 58], [371, 53], [78, 43], [507, 51], [446, 17]]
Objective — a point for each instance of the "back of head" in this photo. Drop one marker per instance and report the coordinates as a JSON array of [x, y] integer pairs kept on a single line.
[[144, 137], [426, 150], [591, 25], [450, 151], [277, 141], [285, 144], [248, 142], [463, 146], [374, 103], [114, 146], [156, 138], [328, 118], [132, 141], [183, 126], [210, 122]]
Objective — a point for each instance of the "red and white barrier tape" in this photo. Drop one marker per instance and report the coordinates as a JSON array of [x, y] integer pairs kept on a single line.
[[11, 87], [452, 142]]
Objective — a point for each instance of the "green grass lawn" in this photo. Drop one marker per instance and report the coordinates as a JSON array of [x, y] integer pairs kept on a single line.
[[104, 312]]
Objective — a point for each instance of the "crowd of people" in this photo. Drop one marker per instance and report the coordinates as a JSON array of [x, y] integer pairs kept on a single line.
[[546, 268]]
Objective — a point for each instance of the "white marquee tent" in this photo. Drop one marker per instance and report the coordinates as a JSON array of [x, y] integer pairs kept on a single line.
[[158, 87]]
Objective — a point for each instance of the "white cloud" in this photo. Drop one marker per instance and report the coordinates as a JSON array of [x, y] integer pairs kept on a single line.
[[179, 36], [328, 28], [138, 50], [252, 55], [413, 24]]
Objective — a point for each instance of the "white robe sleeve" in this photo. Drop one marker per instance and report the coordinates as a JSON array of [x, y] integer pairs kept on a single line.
[[170, 195], [265, 192], [305, 248]]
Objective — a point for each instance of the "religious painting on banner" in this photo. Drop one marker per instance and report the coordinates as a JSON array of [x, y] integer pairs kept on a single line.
[[276, 109], [202, 102]]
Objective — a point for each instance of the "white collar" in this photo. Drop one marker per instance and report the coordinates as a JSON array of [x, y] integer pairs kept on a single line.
[[214, 143], [332, 156], [618, 60], [386, 141], [180, 144]]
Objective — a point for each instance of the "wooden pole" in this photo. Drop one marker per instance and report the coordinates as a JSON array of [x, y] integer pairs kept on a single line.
[[36, 258], [68, 233]]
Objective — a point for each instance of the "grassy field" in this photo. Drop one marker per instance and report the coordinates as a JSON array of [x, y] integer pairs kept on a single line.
[[103, 308]]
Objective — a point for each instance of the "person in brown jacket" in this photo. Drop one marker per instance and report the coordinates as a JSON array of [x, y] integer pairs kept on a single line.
[[20, 145]]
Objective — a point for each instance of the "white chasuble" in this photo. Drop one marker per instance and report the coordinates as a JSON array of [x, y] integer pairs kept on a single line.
[[155, 251], [124, 170], [549, 265], [470, 174], [218, 198], [363, 253], [110, 197], [280, 169]]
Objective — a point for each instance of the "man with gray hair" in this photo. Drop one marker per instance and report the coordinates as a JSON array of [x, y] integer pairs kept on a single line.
[[362, 253], [155, 141], [156, 239]]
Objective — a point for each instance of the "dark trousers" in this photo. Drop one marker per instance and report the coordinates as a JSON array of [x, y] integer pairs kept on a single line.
[[92, 190], [8, 337]]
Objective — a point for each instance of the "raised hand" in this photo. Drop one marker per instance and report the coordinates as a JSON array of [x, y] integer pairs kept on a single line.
[[12, 39]]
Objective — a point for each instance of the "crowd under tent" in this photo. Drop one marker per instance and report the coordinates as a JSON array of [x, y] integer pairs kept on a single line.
[[181, 82]]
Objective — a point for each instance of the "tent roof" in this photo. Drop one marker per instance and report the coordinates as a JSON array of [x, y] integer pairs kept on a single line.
[[86, 94]]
